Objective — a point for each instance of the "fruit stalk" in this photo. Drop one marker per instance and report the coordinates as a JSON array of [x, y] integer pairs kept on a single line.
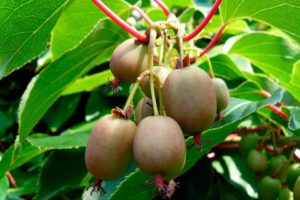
[[163, 7], [211, 71], [204, 22], [162, 48], [142, 14], [120, 21], [151, 45], [131, 95]]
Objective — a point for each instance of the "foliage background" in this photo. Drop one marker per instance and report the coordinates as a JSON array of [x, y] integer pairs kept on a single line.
[[54, 68]]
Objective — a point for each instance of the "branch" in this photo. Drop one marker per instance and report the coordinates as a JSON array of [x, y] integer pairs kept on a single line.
[[163, 7], [204, 22], [121, 22], [250, 130], [142, 14]]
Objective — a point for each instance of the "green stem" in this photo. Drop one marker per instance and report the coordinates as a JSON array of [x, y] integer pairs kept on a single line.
[[131, 95], [162, 48], [150, 67], [181, 54], [168, 57], [211, 71]]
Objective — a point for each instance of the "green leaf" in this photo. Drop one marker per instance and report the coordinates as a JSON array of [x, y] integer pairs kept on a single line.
[[88, 83], [76, 22], [61, 111], [24, 30], [181, 3], [282, 14], [296, 74], [63, 171], [294, 123], [272, 54], [45, 88], [235, 170], [4, 185], [247, 90], [65, 141], [237, 111], [17, 155]]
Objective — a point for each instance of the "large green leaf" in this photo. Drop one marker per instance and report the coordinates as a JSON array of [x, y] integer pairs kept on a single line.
[[272, 54], [77, 20], [237, 111], [294, 123], [296, 74], [283, 14], [63, 171], [45, 88], [4, 185], [88, 83], [24, 30], [16, 155]]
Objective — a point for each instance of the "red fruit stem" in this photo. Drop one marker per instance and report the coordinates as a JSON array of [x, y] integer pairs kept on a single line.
[[277, 111], [227, 146], [142, 14], [250, 130], [204, 22], [141, 37], [268, 95], [163, 7], [11, 179], [197, 138], [211, 43], [159, 181], [115, 83]]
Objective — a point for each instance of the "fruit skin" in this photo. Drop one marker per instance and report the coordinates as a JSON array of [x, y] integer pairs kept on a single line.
[[257, 161], [143, 109], [128, 60], [162, 73], [285, 194], [292, 175], [296, 189], [279, 167], [159, 146], [222, 93], [248, 142], [269, 188], [190, 99], [109, 148]]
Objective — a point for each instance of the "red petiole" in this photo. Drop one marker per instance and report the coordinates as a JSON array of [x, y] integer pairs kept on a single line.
[[204, 22], [142, 14], [121, 22], [163, 7]]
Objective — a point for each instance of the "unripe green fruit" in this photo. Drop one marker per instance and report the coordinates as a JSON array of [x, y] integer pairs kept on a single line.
[[248, 142], [162, 73], [292, 175], [109, 148], [279, 167], [143, 109], [190, 99], [269, 188], [257, 161], [285, 194], [159, 146], [297, 189], [128, 60], [222, 93]]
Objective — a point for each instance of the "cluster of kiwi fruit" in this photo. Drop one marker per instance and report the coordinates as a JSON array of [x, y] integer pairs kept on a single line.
[[280, 175], [191, 101]]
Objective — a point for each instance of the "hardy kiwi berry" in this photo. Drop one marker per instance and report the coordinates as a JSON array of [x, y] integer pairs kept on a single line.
[[162, 73], [128, 60], [257, 161], [296, 189], [143, 109], [190, 99], [159, 146], [222, 93], [109, 148], [293, 174], [269, 188]]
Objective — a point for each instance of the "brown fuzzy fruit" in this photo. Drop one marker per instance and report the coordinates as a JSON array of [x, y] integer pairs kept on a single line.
[[109, 147], [162, 73], [222, 93], [190, 99], [128, 60], [159, 146], [143, 109]]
